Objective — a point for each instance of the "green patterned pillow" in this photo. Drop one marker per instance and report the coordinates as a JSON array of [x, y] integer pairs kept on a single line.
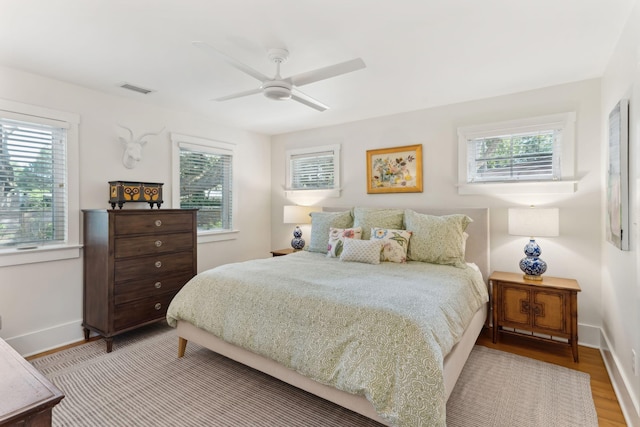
[[366, 251], [321, 222], [394, 243], [337, 237], [369, 218], [436, 239]]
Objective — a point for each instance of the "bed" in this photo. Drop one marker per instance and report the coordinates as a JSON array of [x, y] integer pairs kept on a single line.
[[369, 337]]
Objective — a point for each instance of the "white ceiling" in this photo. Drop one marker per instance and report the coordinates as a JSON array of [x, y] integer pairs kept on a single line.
[[419, 53]]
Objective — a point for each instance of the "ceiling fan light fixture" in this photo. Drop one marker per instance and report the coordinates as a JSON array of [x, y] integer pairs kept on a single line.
[[278, 90]]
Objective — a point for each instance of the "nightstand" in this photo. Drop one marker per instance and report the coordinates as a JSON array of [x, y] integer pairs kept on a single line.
[[281, 252], [541, 307]]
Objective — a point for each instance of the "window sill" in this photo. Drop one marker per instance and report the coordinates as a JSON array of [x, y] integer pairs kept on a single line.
[[535, 187], [334, 192], [11, 257], [217, 236]]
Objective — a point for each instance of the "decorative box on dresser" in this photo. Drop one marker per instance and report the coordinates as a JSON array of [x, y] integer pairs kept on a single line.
[[547, 307], [135, 261]]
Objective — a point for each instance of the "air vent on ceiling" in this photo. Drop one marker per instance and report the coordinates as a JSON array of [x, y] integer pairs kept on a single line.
[[136, 88]]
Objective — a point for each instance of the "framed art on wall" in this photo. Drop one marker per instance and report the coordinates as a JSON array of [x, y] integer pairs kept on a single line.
[[618, 177], [395, 170]]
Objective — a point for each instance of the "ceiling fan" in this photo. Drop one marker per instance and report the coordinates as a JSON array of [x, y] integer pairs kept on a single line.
[[279, 88]]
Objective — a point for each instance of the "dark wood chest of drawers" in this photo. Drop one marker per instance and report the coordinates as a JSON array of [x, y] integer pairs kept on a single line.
[[135, 261]]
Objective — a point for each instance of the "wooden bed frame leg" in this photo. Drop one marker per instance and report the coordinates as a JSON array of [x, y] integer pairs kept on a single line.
[[182, 346]]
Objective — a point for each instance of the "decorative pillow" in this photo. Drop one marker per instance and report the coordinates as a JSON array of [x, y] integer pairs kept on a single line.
[[366, 251], [394, 243], [337, 237], [437, 239], [321, 222], [368, 218]]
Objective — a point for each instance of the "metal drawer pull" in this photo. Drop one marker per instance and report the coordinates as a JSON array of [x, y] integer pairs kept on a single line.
[[158, 285], [158, 223], [158, 306], [158, 243], [158, 264]]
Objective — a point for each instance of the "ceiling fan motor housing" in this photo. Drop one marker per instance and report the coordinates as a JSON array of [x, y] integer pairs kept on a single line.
[[277, 89]]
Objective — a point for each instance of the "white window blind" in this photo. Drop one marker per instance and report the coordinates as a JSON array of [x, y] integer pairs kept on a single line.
[[33, 187], [206, 183], [313, 168], [514, 157]]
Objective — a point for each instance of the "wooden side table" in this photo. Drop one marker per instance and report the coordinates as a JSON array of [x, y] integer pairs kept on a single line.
[[541, 307], [27, 397], [281, 252]]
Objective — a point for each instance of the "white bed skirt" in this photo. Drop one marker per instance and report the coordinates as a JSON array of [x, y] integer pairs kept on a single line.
[[453, 364]]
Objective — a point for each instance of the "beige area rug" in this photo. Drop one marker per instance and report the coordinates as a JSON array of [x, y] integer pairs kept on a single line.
[[143, 383]]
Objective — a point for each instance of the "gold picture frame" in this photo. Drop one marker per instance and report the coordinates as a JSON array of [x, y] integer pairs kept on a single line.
[[395, 170]]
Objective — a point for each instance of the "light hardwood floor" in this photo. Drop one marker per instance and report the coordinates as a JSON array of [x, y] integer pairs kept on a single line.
[[607, 407]]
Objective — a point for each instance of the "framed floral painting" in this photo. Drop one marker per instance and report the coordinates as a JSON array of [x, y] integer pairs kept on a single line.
[[395, 170]]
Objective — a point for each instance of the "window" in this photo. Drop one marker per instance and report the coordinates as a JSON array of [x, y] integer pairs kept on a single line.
[[314, 168], [36, 192], [534, 150], [205, 181]]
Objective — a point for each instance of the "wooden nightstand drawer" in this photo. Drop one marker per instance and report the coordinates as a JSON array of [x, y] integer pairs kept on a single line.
[[546, 307]]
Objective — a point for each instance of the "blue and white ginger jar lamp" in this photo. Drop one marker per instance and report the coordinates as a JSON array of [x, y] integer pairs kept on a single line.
[[533, 222]]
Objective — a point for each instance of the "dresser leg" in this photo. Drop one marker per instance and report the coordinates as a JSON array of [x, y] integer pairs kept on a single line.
[[109, 342], [87, 332]]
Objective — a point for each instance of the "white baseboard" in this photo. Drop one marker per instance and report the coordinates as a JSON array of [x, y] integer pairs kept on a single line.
[[589, 336], [47, 339], [627, 403]]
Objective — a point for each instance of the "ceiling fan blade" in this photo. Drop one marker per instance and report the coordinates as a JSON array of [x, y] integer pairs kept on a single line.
[[326, 72], [231, 61], [239, 95], [309, 101]]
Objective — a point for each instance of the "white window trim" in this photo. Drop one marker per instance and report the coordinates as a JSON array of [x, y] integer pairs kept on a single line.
[[204, 144], [70, 249], [329, 192], [567, 183]]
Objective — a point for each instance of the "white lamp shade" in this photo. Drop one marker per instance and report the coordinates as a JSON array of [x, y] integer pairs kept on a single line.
[[534, 222], [298, 214]]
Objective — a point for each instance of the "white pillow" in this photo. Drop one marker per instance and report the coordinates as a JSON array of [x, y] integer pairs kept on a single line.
[[366, 251]]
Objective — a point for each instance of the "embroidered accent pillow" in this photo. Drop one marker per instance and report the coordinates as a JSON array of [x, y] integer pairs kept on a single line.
[[321, 222], [368, 218], [437, 239], [337, 237], [366, 251], [394, 243]]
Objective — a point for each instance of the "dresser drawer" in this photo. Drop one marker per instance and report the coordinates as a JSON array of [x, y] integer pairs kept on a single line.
[[154, 267], [142, 310], [149, 287], [156, 222], [152, 244]]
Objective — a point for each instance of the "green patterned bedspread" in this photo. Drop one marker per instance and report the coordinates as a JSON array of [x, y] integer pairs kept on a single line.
[[381, 331]]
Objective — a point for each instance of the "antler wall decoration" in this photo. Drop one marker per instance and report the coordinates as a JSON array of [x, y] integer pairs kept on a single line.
[[133, 147]]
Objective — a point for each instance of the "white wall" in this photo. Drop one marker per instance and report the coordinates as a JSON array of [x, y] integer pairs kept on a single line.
[[41, 304], [575, 254], [620, 276]]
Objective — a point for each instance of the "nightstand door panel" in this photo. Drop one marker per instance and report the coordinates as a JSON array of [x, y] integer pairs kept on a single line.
[[515, 306], [548, 311]]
